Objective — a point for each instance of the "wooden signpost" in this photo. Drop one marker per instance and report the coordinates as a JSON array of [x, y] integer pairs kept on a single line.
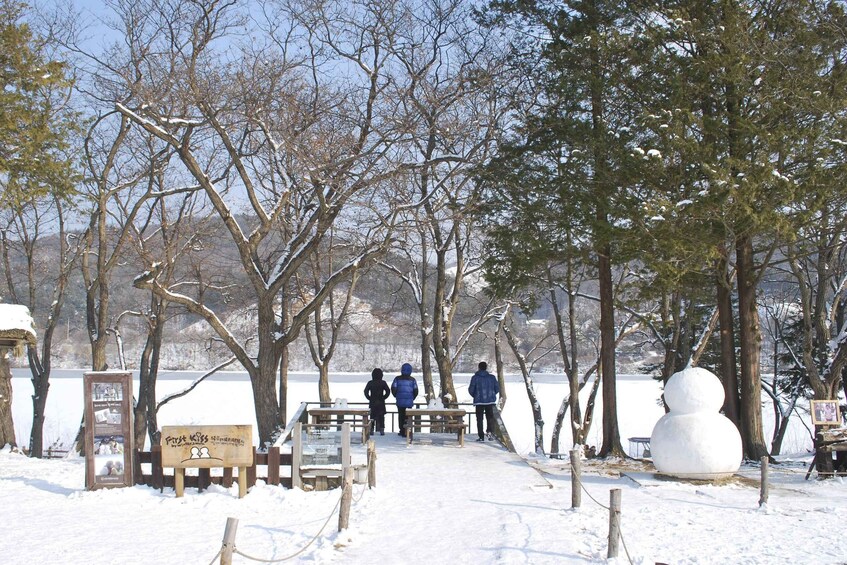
[[205, 447]]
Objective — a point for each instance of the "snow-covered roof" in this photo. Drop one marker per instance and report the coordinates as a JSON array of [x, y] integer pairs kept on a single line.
[[16, 324]]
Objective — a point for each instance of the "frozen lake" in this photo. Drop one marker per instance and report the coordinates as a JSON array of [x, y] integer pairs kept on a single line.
[[226, 398]]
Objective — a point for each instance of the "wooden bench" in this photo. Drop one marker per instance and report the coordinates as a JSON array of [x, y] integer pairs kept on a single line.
[[439, 419]]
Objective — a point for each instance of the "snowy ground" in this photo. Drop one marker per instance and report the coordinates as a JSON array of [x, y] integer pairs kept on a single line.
[[434, 502]]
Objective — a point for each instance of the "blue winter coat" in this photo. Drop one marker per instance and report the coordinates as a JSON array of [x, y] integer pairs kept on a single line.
[[484, 388], [405, 389]]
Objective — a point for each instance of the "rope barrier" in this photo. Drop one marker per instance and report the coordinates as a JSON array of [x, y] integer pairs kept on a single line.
[[361, 495], [302, 549], [582, 487], [215, 558]]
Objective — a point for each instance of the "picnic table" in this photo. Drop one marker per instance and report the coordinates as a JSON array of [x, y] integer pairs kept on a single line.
[[446, 419], [358, 417]]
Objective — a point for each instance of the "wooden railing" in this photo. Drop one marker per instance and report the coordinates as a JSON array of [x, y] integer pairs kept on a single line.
[[273, 461]]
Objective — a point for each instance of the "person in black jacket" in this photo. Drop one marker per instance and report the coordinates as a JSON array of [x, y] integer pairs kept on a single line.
[[404, 387], [376, 391], [484, 389]]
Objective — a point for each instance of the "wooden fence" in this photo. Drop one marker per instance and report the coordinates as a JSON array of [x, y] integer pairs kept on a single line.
[[273, 461]]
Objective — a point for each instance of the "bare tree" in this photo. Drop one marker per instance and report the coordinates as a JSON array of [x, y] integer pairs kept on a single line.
[[452, 108], [36, 238], [282, 151], [325, 325]]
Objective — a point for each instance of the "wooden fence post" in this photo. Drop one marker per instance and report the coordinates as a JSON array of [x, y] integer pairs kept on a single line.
[[296, 456], [346, 499], [251, 472], [371, 464], [156, 467], [763, 485], [229, 541], [576, 478], [614, 522], [273, 465]]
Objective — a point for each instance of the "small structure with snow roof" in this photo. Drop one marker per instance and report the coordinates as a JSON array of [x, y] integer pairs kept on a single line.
[[694, 440], [16, 326], [17, 329]]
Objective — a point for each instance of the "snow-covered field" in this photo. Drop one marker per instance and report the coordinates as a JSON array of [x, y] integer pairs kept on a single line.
[[434, 502]]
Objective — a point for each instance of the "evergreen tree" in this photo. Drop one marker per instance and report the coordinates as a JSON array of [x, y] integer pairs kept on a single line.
[[34, 119]]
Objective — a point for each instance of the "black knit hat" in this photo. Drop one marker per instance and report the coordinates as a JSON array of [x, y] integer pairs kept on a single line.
[[376, 373]]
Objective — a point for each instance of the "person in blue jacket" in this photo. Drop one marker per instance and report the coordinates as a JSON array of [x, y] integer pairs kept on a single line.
[[404, 387], [484, 389], [376, 391]]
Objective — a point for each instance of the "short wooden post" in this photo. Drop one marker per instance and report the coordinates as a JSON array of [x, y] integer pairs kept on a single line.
[[371, 464], [204, 479], [614, 522], [251, 472], [296, 456], [242, 481], [229, 541], [346, 499], [763, 485], [273, 465], [576, 478], [179, 481], [156, 469]]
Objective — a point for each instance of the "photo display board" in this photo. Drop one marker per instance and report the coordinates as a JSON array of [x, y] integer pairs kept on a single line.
[[108, 429]]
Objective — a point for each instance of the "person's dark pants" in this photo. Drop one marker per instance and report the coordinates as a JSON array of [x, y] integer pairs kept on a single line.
[[401, 414], [488, 410], [378, 417]]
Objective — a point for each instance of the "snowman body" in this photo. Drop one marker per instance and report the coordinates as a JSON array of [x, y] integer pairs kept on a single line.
[[694, 440]]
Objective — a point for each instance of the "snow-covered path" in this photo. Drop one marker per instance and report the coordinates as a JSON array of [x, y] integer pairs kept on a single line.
[[480, 504], [434, 503]]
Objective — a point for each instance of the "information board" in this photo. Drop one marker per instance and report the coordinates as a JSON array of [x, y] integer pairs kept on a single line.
[[321, 447], [207, 446], [108, 429]]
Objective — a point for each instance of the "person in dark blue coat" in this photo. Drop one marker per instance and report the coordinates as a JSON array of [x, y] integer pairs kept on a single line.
[[376, 391], [484, 389], [404, 387]]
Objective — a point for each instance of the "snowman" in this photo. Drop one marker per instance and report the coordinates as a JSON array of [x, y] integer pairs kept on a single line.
[[694, 440]]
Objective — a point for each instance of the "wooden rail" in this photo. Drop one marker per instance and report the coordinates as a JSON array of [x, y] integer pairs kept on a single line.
[[273, 461]]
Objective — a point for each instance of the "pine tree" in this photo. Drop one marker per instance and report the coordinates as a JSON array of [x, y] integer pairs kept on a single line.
[[34, 119]]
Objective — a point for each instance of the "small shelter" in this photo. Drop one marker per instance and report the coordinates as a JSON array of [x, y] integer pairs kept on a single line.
[[17, 330]]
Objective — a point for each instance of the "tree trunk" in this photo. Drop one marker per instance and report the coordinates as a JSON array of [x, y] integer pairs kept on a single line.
[[752, 435], [263, 374], [728, 367], [284, 355], [7, 425], [441, 333], [40, 386], [498, 360], [538, 420], [323, 384], [426, 362], [611, 431]]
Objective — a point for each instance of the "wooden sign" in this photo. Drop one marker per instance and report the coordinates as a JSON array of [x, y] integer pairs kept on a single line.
[[108, 429], [207, 446]]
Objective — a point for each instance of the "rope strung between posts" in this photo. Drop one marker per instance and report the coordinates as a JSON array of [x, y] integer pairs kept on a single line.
[[301, 550], [215, 558], [578, 480], [361, 495]]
